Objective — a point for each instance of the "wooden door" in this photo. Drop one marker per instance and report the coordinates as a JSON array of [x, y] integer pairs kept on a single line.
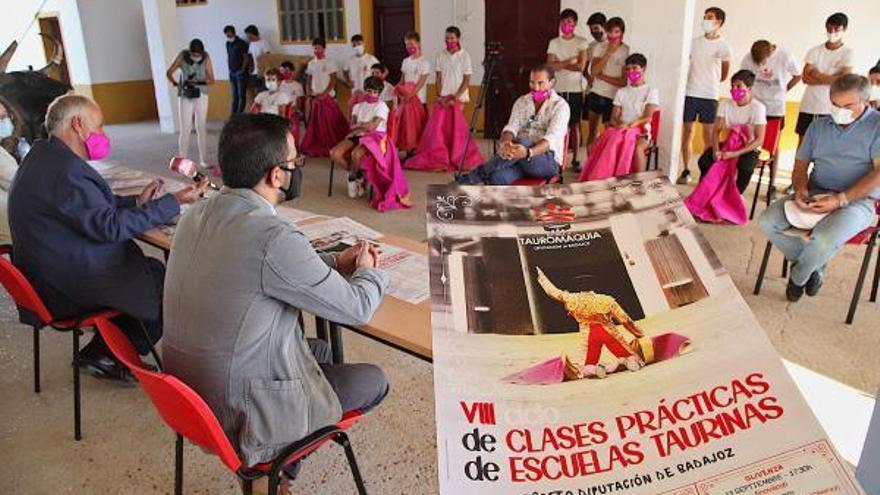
[[51, 28], [524, 28], [393, 19]]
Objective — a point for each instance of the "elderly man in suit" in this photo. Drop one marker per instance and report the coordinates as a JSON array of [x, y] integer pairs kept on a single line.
[[73, 238], [238, 278]]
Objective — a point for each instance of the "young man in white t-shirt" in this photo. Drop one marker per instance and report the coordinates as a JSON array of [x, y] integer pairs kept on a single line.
[[290, 85], [367, 116], [823, 64], [415, 68], [635, 104], [358, 67], [741, 110], [272, 100], [567, 54], [321, 71], [606, 68], [454, 69], [379, 71], [709, 66], [256, 48]]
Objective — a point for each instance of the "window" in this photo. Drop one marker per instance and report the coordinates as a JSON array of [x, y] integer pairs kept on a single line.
[[181, 3], [300, 21]]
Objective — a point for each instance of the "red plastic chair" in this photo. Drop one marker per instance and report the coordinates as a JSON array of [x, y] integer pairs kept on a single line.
[[867, 238], [34, 313], [653, 150], [556, 179], [771, 146], [185, 412]]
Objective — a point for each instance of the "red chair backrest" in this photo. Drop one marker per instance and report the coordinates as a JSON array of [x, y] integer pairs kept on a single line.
[[180, 406], [18, 287], [771, 136], [655, 126]]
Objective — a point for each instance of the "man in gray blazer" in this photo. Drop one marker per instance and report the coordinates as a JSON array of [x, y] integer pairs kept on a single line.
[[239, 276]]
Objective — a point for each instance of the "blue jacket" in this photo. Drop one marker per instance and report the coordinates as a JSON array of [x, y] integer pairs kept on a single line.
[[73, 238]]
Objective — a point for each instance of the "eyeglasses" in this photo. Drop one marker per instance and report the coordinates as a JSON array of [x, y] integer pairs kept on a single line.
[[298, 162]]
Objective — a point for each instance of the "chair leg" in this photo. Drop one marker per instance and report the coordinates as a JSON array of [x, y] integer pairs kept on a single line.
[[342, 439], [757, 191], [152, 347], [784, 268], [77, 425], [876, 279], [321, 329], [763, 269], [247, 487], [178, 466], [336, 343], [330, 187], [857, 293], [771, 188], [37, 360]]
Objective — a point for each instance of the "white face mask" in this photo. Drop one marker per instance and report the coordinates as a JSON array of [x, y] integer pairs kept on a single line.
[[842, 116], [359, 50], [6, 127], [271, 85], [875, 92], [834, 37], [709, 25]]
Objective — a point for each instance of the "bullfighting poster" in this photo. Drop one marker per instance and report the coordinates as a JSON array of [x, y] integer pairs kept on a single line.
[[587, 340]]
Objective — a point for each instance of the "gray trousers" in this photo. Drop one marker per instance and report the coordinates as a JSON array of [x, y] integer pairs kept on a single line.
[[359, 386]]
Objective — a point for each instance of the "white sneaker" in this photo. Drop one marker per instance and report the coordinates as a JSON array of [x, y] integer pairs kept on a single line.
[[361, 188], [353, 188]]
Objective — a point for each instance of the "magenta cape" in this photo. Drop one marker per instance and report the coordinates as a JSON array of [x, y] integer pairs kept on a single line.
[[407, 120], [443, 142], [612, 154], [665, 346], [327, 126], [381, 166], [716, 198]]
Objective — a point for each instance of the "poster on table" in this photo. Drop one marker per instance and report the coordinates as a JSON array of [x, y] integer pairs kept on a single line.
[[587, 340]]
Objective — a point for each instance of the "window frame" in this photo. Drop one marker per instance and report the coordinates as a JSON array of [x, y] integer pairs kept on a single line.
[[339, 41]]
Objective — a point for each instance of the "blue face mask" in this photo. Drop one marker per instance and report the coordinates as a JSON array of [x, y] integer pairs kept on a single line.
[[6, 127]]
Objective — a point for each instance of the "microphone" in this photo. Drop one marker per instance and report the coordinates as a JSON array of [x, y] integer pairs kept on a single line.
[[188, 168]]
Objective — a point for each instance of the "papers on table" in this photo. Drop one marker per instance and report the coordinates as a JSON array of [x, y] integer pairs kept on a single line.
[[333, 230], [295, 215]]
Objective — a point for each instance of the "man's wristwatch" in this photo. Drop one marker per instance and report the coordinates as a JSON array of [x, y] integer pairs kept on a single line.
[[842, 199]]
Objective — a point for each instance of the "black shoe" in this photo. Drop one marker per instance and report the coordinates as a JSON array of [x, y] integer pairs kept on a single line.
[[100, 365], [814, 284], [685, 178], [575, 166], [794, 292]]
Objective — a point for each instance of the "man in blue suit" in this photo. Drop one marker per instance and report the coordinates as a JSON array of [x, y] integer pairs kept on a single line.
[[73, 238]]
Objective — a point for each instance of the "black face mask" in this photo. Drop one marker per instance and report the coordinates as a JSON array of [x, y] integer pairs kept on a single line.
[[598, 35], [291, 192]]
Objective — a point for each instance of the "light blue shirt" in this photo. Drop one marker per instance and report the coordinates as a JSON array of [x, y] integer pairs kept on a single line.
[[841, 156]]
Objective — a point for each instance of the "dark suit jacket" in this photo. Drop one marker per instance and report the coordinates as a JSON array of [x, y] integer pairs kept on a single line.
[[73, 238]]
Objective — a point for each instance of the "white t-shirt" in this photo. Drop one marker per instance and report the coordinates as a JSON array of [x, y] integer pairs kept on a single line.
[[387, 93], [568, 81], [752, 114], [320, 70], [365, 112], [817, 98], [272, 101], [360, 68], [255, 49], [413, 69], [771, 79], [704, 76], [632, 101], [294, 89], [613, 68], [453, 67]]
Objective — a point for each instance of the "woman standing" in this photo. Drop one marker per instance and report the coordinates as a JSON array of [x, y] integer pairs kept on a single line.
[[195, 73]]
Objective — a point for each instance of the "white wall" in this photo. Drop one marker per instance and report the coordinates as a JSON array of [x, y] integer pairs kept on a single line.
[[206, 22], [665, 44], [798, 25], [469, 15], [17, 14], [115, 40]]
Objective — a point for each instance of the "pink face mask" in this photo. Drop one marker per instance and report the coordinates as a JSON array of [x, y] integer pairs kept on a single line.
[[615, 38], [738, 94], [370, 98], [451, 45], [412, 49], [97, 146], [566, 28], [633, 76], [540, 95], [319, 53]]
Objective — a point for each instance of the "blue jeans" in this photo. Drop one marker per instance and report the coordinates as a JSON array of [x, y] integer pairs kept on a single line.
[[238, 84], [826, 238], [500, 172]]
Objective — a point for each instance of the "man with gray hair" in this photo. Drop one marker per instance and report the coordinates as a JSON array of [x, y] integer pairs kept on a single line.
[[73, 238], [838, 195]]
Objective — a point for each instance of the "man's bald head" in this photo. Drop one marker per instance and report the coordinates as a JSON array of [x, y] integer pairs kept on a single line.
[[62, 112]]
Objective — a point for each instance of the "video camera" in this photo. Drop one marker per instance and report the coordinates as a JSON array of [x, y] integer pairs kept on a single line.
[[494, 49]]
